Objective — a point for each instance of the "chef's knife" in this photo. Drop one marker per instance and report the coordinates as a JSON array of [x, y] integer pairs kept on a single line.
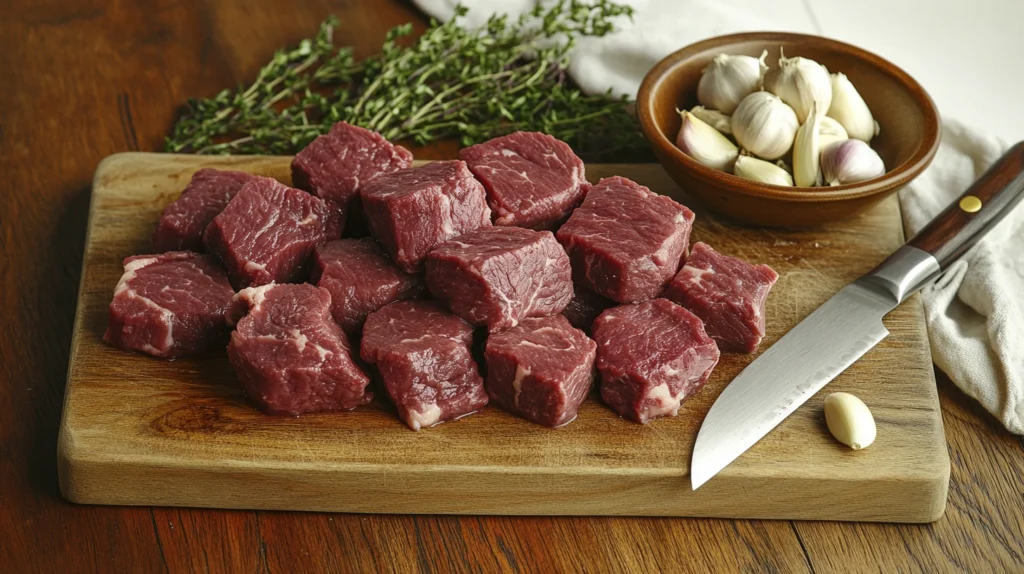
[[849, 324]]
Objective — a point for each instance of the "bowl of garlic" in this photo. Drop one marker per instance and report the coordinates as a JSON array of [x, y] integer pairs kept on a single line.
[[788, 130]]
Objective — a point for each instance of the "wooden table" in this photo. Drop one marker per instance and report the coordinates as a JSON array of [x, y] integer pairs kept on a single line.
[[84, 79]]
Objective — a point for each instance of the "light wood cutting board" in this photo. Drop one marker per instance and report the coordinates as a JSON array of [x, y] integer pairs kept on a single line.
[[140, 431]]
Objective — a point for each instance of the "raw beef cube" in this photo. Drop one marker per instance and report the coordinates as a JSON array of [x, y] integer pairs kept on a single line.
[[728, 294], [626, 241], [652, 356], [497, 276], [170, 305], [541, 369], [182, 224], [584, 307], [361, 280], [413, 210], [423, 355], [532, 179], [290, 355], [268, 231]]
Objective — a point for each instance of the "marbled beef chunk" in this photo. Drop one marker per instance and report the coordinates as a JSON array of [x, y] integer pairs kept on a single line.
[[540, 370], [290, 355], [728, 294], [182, 223], [170, 305], [268, 232], [413, 210], [626, 241], [497, 276], [651, 356], [532, 179], [361, 280], [423, 354]]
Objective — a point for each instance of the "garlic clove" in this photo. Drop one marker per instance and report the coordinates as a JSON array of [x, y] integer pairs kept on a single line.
[[728, 79], [830, 131], [705, 144], [806, 151], [850, 110], [800, 82], [713, 118], [764, 125], [762, 171], [850, 161], [849, 420]]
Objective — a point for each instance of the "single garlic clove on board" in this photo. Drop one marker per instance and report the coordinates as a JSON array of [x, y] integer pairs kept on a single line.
[[800, 82], [705, 144], [728, 79], [762, 171], [713, 118], [850, 161], [849, 420], [849, 109], [806, 152], [764, 125]]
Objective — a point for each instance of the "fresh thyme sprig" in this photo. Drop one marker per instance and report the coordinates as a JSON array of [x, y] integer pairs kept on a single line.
[[471, 85]]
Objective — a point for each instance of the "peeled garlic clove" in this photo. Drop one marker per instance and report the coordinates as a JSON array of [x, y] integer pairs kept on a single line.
[[800, 82], [728, 79], [764, 125], [759, 170], [850, 110], [705, 144], [830, 131], [713, 118], [806, 151], [850, 161], [849, 420]]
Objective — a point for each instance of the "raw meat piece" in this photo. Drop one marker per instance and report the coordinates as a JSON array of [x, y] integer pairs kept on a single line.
[[268, 231], [290, 355], [182, 224], [412, 210], [170, 305], [540, 370], [728, 294], [497, 276], [584, 307], [532, 179], [361, 280], [423, 355], [626, 241], [652, 356]]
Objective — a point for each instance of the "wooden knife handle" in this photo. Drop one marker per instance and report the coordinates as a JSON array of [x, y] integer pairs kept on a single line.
[[954, 231]]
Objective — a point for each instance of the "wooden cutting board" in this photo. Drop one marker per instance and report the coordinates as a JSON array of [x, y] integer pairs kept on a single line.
[[140, 431]]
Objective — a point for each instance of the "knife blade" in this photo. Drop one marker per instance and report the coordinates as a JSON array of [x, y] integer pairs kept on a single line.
[[849, 324]]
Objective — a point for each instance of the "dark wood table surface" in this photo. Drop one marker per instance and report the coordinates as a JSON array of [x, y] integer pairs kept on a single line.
[[82, 79]]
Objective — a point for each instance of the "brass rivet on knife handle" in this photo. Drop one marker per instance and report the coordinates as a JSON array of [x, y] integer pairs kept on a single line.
[[954, 231]]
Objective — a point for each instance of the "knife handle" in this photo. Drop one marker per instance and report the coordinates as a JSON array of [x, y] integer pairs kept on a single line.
[[954, 231]]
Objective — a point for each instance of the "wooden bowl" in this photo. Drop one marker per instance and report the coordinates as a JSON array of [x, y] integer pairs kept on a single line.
[[907, 143]]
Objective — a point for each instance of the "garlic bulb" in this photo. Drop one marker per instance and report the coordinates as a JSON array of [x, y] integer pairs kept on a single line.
[[850, 110], [850, 161], [806, 151], [713, 118], [830, 131], [759, 170], [705, 144], [800, 82], [728, 79], [765, 125]]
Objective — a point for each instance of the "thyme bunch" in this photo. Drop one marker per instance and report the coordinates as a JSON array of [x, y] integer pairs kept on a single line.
[[471, 85]]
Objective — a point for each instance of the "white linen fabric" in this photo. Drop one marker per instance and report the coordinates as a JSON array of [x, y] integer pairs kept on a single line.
[[974, 312]]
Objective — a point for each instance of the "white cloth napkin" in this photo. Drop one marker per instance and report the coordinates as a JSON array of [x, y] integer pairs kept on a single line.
[[975, 312]]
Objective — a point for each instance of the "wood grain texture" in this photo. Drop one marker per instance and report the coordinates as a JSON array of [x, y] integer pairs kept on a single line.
[[143, 431], [80, 84]]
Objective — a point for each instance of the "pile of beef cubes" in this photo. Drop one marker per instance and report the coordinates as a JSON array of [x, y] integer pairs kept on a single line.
[[510, 241]]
